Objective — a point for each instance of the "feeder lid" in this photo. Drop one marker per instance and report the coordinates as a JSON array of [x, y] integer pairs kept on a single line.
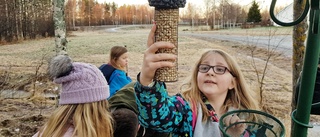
[[167, 4]]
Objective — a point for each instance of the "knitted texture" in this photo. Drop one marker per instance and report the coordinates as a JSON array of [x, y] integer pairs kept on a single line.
[[84, 84]]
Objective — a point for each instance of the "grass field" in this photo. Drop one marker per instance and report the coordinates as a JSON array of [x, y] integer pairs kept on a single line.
[[23, 66]]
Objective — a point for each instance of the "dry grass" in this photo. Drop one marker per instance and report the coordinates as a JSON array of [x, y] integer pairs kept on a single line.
[[93, 47]]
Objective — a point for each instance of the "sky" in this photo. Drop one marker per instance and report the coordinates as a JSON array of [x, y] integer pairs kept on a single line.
[[262, 3]]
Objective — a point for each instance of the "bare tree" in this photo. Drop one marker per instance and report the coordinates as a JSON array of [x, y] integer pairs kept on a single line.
[[37, 74], [4, 81], [191, 13], [60, 27], [25, 19], [208, 4], [7, 16], [271, 53], [70, 11], [213, 14]]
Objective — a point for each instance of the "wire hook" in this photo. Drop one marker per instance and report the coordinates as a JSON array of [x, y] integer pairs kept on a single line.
[[301, 18]]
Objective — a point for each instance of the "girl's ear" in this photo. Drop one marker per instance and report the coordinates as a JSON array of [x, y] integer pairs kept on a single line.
[[138, 127], [233, 84]]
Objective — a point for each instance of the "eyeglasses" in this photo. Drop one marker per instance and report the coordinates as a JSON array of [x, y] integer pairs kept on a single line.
[[203, 68]]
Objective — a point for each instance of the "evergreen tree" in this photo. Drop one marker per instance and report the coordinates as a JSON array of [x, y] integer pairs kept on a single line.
[[254, 13]]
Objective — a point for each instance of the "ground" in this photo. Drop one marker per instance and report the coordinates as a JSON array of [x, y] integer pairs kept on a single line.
[[27, 96]]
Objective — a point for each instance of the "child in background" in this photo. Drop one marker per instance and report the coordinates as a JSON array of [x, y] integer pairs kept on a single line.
[[115, 71], [126, 123], [216, 86], [125, 114], [83, 108]]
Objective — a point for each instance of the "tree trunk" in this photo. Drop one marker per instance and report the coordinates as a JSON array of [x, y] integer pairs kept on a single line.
[[25, 21], [17, 19], [298, 39], [7, 20], [73, 16], [33, 18], [59, 27]]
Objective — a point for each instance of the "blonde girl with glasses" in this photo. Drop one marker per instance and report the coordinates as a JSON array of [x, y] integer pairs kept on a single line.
[[215, 87]]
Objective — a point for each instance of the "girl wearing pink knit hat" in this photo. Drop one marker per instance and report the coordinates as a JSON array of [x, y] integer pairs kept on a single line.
[[83, 110]]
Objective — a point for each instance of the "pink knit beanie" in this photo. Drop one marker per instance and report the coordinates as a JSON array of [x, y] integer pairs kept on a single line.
[[81, 82]]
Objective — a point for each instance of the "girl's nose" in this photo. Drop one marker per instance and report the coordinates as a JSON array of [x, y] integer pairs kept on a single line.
[[211, 72]]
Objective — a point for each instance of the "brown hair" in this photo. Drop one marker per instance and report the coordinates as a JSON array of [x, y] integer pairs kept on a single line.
[[115, 53], [126, 123]]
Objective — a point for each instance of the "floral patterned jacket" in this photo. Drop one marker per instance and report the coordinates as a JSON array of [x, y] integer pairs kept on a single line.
[[163, 113]]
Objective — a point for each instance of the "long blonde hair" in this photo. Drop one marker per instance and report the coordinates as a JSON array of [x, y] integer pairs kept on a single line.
[[240, 98], [89, 120]]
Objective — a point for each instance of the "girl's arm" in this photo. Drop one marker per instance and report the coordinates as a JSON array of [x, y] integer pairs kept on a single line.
[[157, 110], [161, 112]]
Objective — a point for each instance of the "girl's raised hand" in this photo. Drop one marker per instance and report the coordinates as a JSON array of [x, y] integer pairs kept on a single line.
[[236, 130], [153, 61]]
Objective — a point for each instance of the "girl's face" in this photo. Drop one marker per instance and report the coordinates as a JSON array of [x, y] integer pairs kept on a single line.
[[215, 82], [122, 61]]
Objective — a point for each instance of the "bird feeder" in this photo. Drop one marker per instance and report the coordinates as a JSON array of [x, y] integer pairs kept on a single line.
[[166, 16]]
